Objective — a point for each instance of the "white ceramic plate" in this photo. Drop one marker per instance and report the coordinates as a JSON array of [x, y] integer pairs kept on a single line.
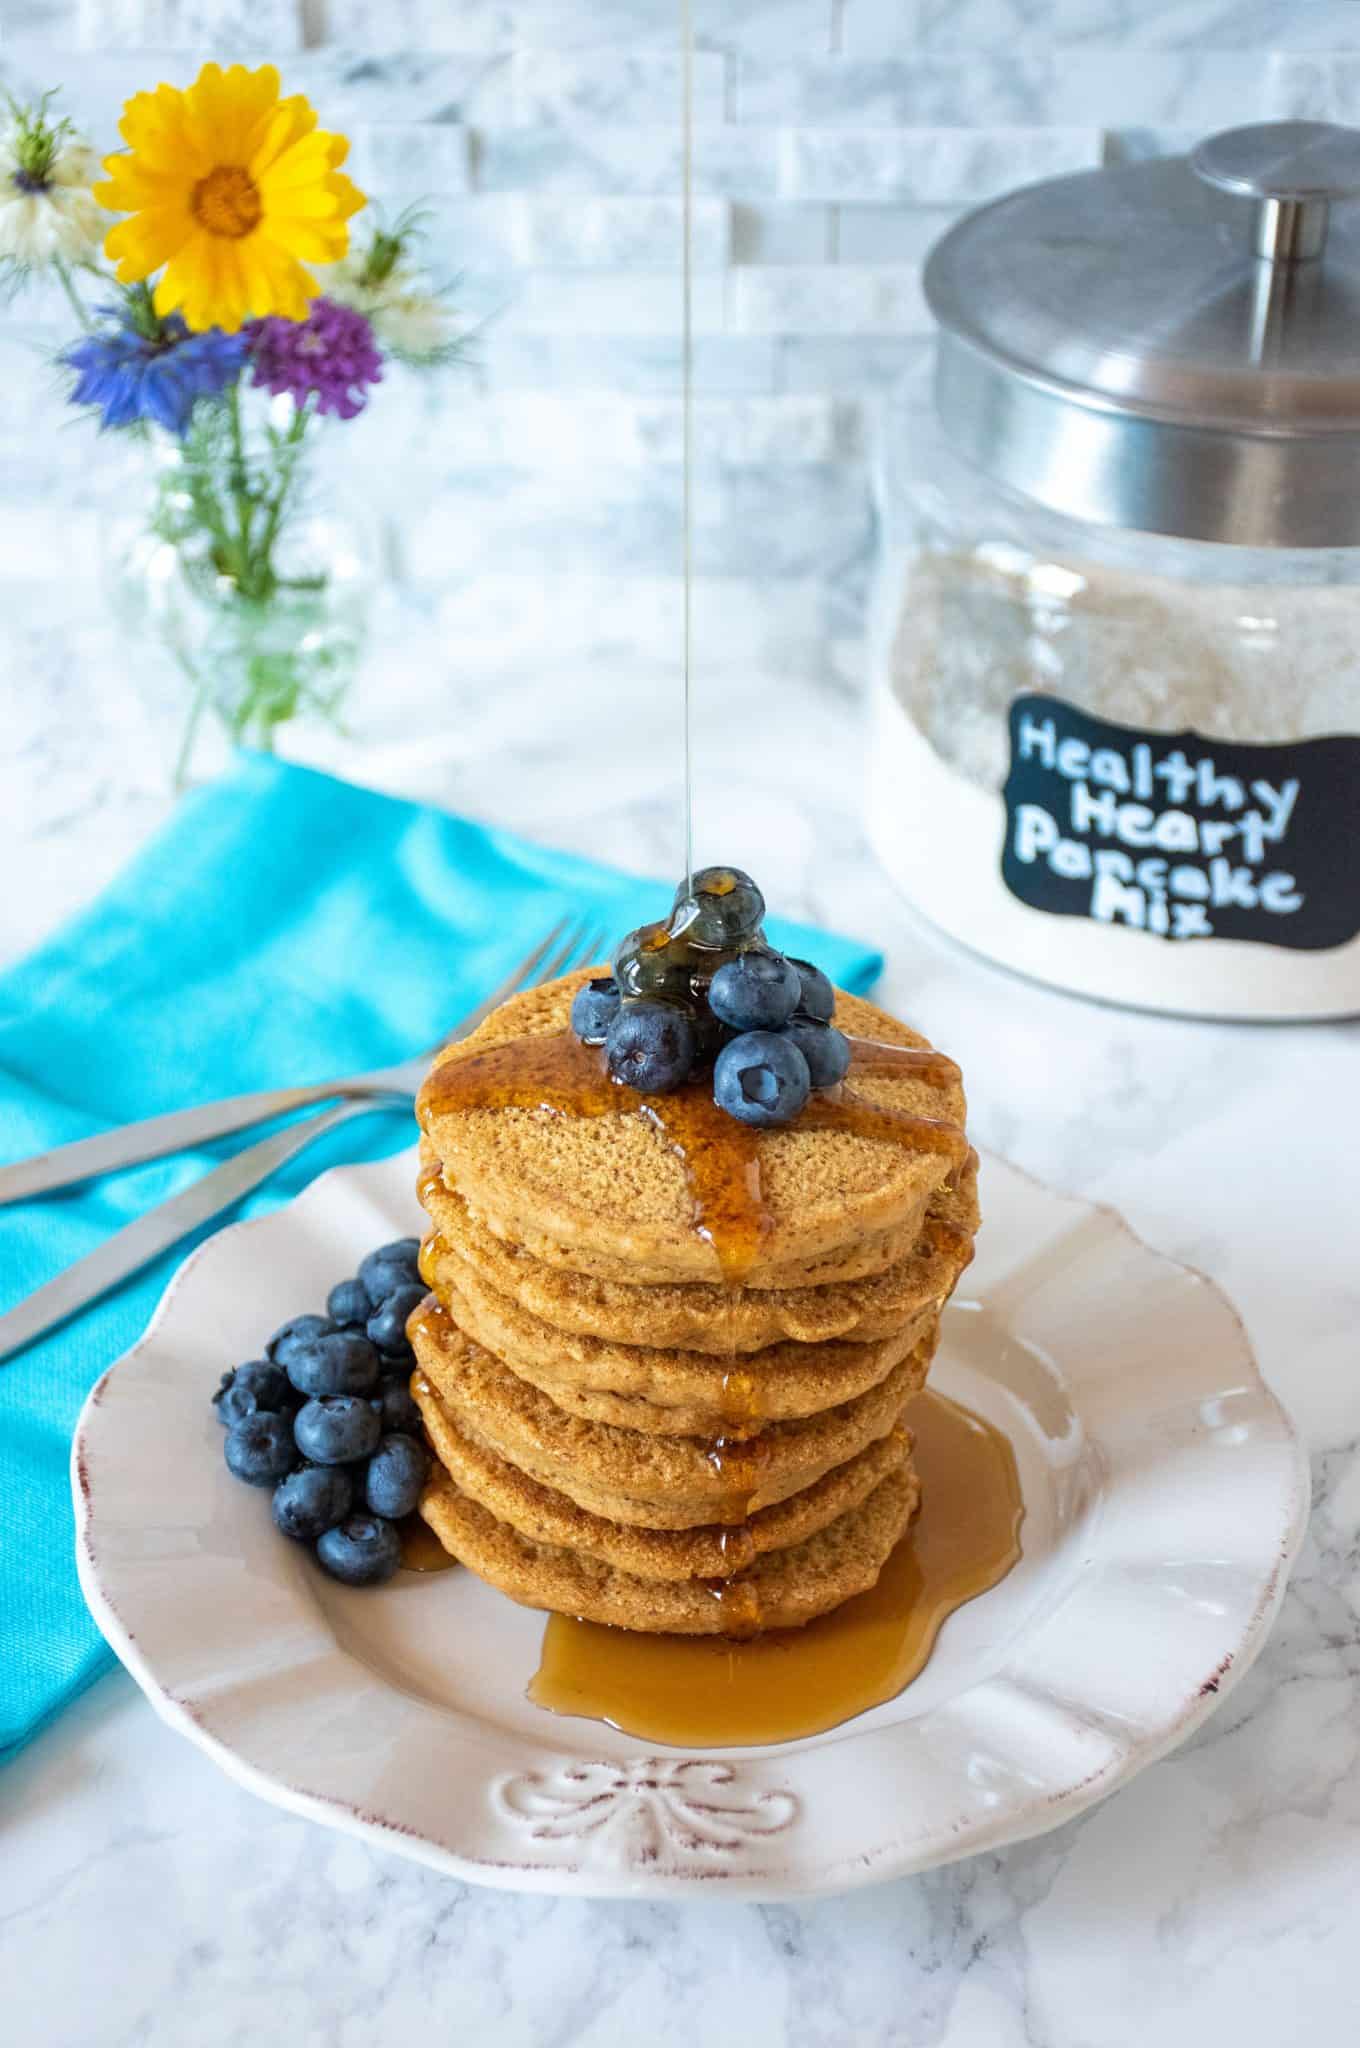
[[1165, 1496]]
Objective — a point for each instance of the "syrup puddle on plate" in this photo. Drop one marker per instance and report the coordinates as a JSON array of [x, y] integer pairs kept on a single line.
[[421, 1549], [704, 1692]]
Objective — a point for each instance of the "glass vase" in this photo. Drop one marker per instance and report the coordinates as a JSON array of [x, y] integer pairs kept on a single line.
[[255, 654]]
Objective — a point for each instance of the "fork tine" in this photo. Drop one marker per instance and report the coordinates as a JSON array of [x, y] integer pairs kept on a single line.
[[569, 940], [594, 947], [565, 954], [525, 975]]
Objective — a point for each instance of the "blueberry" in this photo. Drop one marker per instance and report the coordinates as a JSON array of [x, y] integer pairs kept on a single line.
[[260, 1450], [761, 1078], [758, 991], [387, 1329], [826, 1050], [256, 1388], [336, 1431], [395, 1409], [363, 1551], [312, 1500], [818, 997], [650, 966], [350, 1304], [396, 1473], [339, 1362], [651, 1047], [390, 1267], [594, 1008], [719, 907], [300, 1330]]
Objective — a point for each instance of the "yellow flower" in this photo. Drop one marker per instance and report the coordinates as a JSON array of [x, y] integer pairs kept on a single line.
[[234, 190]]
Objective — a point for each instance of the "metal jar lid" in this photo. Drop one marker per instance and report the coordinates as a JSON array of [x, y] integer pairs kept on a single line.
[[1171, 346]]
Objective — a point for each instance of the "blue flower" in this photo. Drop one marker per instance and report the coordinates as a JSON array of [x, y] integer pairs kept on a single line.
[[132, 376]]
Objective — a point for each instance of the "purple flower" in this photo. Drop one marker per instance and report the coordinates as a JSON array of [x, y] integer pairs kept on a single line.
[[132, 375], [330, 356]]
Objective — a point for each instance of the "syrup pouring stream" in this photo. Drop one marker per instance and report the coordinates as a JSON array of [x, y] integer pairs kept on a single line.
[[687, 406]]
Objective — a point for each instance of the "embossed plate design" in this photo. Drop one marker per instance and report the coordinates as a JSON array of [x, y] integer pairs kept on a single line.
[[1165, 1497]]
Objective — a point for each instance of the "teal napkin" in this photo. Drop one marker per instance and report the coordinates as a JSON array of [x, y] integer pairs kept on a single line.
[[284, 927]]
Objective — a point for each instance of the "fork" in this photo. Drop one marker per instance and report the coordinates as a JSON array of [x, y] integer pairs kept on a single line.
[[140, 1241], [181, 1129]]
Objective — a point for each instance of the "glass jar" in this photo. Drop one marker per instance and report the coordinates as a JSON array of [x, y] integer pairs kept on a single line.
[[1123, 761], [261, 658]]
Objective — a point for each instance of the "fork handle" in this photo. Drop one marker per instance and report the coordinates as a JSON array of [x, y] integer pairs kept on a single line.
[[179, 1130], [131, 1248]]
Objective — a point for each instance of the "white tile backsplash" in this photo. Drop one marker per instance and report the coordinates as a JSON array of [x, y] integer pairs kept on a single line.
[[212, 26], [571, 86], [428, 157], [831, 299], [616, 234], [928, 167], [1322, 86], [835, 140]]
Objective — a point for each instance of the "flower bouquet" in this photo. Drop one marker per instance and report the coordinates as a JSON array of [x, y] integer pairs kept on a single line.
[[237, 316]]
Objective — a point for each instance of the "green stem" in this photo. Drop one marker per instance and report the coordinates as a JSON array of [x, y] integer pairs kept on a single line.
[[292, 445], [67, 282], [240, 476], [186, 745]]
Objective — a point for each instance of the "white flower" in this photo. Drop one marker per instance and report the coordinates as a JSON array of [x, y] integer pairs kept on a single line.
[[411, 322], [49, 214]]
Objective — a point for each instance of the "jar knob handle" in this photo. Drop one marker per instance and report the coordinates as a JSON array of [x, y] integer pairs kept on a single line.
[[1295, 170]]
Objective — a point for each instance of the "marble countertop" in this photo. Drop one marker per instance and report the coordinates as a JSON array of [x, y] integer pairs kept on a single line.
[[144, 1898]]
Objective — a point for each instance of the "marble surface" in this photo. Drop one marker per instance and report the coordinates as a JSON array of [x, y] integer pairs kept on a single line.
[[1218, 1896]]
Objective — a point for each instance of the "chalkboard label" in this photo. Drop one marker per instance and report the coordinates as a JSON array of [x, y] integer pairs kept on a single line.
[[1184, 837]]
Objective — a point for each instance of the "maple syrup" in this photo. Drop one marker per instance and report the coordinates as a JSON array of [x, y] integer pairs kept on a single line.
[[721, 1157], [421, 1549], [707, 1692]]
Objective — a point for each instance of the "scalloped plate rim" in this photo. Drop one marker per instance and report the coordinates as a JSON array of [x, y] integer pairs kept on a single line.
[[798, 1876]]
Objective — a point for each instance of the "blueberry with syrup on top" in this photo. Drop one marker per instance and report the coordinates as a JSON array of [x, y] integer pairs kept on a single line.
[[826, 1050], [387, 1329], [761, 1079], [651, 1047], [337, 1362], [259, 1387], [350, 1304], [758, 991], [390, 1267], [649, 967], [261, 1449], [311, 1500], [594, 1008], [362, 1551], [337, 1431], [299, 1330], [817, 997], [394, 1407], [717, 908], [395, 1475]]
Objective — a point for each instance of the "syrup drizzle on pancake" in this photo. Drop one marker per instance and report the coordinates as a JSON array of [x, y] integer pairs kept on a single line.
[[721, 1157], [553, 1071]]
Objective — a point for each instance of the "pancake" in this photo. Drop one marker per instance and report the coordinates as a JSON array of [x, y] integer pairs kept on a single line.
[[783, 1589], [684, 1393], [543, 1515], [700, 1316], [613, 1184], [628, 1475]]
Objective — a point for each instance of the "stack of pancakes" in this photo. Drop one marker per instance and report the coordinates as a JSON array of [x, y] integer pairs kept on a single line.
[[624, 1434]]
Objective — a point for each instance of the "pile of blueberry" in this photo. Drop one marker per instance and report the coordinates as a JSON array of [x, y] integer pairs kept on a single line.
[[326, 1419], [705, 988]]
